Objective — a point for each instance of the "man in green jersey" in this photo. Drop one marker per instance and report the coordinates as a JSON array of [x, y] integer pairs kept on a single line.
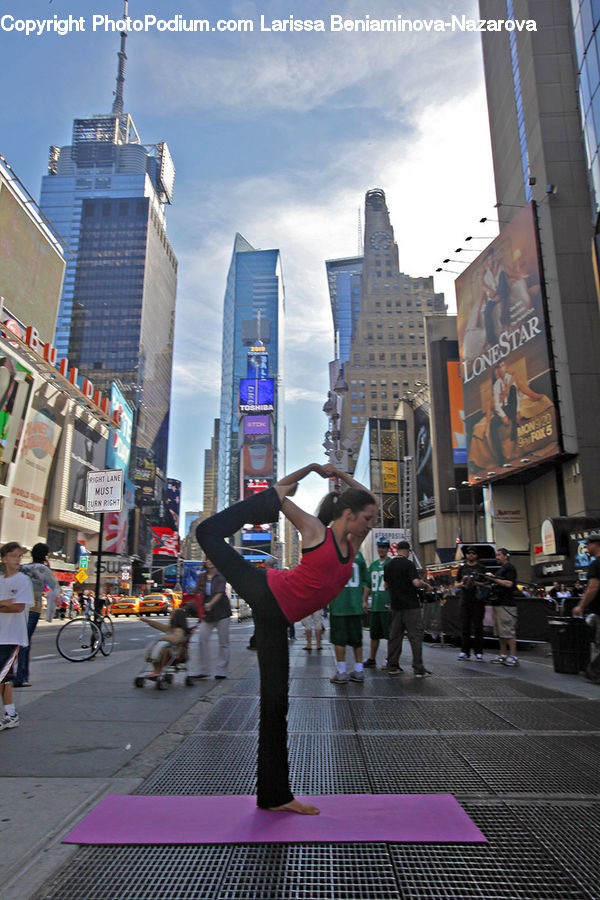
[[380, 617], [346, 622]]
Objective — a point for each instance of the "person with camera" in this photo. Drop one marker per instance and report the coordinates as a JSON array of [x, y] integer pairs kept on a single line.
[[473, 594], [505, 608]]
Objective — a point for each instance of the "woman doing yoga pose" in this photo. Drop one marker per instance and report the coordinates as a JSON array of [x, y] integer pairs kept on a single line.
[[279, 597]]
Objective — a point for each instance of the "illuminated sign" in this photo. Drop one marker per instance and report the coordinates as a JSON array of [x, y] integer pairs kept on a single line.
[[257, 395]]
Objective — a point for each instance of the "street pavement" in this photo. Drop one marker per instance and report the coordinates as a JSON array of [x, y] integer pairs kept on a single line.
[[87, 731]]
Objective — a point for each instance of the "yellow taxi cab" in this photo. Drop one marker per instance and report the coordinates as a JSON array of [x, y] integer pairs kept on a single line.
[[160, 604], [175, 598], [125, 606]]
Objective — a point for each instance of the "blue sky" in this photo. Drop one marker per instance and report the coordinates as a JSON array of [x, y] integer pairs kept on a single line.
[[277, 136]]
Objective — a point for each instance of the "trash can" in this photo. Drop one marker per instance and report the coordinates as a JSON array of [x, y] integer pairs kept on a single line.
[[570, 641]]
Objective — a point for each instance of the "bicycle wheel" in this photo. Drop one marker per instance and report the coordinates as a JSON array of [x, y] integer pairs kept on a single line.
[[78, 640], [107, 630]]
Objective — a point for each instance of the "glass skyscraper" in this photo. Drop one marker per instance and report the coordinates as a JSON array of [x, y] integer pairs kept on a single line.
[[253, 317], [586, 19], [106, 194], [343, 279]]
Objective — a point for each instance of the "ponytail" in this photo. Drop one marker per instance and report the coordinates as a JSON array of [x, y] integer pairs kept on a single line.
[[333, 505]]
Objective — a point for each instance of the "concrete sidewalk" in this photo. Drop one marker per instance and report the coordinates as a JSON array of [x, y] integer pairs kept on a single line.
[[516, 746]]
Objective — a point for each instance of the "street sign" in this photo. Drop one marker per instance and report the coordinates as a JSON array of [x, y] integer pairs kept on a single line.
[[84, 561], [104, 491], [81, 576]]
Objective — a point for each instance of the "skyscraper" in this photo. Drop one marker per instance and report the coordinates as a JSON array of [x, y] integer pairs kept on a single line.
[[387, 350], [538, 154], [106, 194], [343, 279], [251, 433]]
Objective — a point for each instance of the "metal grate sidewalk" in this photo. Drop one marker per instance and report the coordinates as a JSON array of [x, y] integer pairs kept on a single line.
[[521, 758]]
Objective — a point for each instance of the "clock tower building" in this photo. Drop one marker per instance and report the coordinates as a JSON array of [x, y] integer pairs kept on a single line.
[[387, 351]]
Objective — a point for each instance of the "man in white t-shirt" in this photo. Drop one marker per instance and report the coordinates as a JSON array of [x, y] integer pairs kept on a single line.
[[16, 596]]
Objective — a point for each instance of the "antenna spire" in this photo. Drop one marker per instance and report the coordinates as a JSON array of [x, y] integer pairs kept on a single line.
[[117, 106]]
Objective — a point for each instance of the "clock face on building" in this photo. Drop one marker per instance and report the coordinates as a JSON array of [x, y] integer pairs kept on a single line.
[[380, 240]]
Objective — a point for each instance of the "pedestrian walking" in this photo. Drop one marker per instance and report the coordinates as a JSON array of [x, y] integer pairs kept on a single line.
[[45, 584], [279, 597], [16, 596], [217, 613]]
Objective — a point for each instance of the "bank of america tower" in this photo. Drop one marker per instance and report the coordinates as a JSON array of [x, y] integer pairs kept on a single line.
[[106, 194]]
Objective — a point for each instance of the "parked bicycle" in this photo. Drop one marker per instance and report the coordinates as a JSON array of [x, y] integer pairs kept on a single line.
[[80, 639]]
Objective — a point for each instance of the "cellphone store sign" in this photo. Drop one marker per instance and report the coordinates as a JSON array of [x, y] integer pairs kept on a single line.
[[49, 353]]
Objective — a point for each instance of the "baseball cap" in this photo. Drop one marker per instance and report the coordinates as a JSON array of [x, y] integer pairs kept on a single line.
[[382, 541]]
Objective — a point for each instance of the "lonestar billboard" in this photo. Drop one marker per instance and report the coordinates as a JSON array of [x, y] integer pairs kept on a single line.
[[511, 418]]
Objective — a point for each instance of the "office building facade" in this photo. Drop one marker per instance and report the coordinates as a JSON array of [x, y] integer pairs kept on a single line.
[[251, 431], [343, 280], [387, 350], [106, 193], [539, 158]]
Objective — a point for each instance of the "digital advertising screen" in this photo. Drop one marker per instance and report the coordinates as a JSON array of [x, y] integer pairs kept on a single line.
[[257, 395], [511, 417]]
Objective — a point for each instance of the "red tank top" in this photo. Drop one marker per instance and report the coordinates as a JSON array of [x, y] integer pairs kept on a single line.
[[320, 576]]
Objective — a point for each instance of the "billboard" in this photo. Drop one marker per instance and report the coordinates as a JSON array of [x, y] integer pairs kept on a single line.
[[457, 413], [22, 511], [257, 395], [424, 462], [116, 524], [166, 541], [145, 474], [255, 486], [15, 388], [88, 452], [257, 425], [511, 418], [174, 502], [31, 268], [118, 450]]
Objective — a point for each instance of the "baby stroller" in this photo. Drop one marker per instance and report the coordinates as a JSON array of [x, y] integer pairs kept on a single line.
[[174, 661]]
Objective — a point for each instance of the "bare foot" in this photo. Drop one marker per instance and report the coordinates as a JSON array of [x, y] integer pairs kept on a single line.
[[305, 809]]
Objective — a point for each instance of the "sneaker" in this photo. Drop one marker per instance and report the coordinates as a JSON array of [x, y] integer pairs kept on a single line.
[[479, 657], [510, 661], [498, 660], [463, 656], [370, 664], [422, 673], [357, 676], [9, 721], [393, 670], [340, 678]]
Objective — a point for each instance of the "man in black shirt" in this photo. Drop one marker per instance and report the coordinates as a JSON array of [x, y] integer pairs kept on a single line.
[[505, 609], [591, 602], [472, 605], [401, 580]]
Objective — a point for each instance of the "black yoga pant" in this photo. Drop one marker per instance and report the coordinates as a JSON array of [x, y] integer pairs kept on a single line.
[[273, 787]]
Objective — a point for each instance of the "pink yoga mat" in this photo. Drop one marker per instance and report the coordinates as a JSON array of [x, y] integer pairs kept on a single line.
[[402, 818]]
